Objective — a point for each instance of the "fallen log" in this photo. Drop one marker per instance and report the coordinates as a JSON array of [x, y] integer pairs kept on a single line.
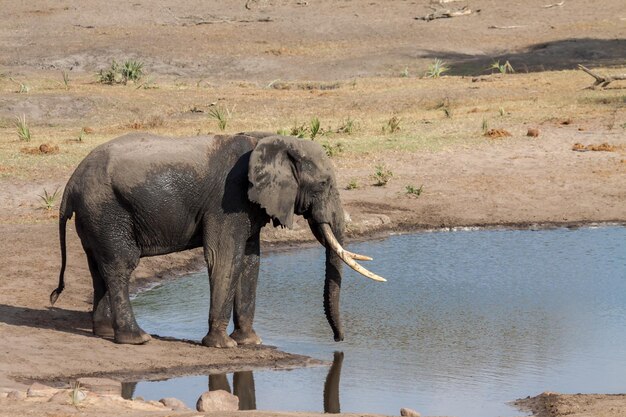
[[602, 80]]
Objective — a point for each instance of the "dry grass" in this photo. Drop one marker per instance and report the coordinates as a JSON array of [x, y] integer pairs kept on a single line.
[[603, 147], [497, 133], [112, 111]]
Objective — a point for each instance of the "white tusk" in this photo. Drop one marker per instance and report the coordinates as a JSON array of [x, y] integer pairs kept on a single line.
[[345, 255], [357, 256]]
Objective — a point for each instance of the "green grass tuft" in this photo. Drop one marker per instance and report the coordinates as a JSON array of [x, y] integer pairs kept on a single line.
[[49, 199], [23, 131], [437, 69], [382, 175]]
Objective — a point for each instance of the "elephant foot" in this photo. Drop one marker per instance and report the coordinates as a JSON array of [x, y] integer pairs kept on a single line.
[[132, 338], [246, 337], [218, 340], [103, 329]]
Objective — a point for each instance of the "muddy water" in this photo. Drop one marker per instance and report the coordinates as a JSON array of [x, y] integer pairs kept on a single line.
[[468, 321]]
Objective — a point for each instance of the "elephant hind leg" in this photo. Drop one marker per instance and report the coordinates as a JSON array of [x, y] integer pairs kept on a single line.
[[102, 319], [116, 273]]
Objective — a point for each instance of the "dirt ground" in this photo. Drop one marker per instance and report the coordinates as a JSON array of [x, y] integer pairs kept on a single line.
[[276, 65]]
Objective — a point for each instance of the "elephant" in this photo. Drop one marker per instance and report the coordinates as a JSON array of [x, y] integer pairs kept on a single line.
[[143, 195]]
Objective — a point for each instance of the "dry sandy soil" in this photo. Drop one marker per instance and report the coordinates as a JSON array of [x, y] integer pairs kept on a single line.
[[277, 64]]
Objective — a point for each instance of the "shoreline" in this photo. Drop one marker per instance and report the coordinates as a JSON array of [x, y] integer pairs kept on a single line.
[[195, 264]]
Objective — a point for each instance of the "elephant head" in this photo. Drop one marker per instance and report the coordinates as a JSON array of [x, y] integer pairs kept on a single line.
[[294, 176]]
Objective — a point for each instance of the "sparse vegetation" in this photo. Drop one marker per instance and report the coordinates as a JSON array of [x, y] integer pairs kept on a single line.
[[22, 87], [148, 84], [77, 395], [131, 70], [485, 126], [382, 175], [221, 114], [66, 79], [501, 111], [315, 127], [49, 199], [392, 125], [298, 131], [437, 69], [109, 75], [502, 68], [348, 126], [404, 73], [333, 149], [23, 131], [414, 191], [352, 185]]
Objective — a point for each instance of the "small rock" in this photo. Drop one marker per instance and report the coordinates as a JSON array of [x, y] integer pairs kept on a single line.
[[61, 397], [173, 403], [16, 395], [532, 132], [156, 403], [40, 390], [219, 400], [407, 412], [101, 386]]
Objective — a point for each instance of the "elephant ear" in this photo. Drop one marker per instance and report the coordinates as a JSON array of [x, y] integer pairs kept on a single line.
[[273, 176]]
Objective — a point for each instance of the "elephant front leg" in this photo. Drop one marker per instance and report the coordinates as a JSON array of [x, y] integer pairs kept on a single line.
[[220, 264], [245, 295]]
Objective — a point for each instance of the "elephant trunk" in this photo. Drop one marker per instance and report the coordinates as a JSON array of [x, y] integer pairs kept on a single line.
[[332, 220], [332, 288], [330, 233]]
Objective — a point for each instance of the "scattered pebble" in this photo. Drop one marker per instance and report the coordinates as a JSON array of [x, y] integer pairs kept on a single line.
[[61, 397], [16, 395], [40, 390], [173, 403], [532, 132]]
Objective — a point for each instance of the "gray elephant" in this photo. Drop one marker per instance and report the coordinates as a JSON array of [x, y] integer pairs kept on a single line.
[[143, 195]]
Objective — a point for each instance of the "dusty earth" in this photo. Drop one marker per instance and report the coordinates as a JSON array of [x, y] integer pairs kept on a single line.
[[276, 64]]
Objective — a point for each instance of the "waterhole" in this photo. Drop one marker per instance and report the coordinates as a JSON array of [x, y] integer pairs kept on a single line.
[[467, 322]]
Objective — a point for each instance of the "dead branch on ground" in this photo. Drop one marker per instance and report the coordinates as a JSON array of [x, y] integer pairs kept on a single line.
[[602, 80], [549, 6], [506, 27], [447, 13]]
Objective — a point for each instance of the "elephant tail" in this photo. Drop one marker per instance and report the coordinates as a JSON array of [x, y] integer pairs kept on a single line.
[[65, 213]]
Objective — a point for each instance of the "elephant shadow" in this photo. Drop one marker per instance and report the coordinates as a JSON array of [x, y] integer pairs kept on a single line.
[[50, 318], [244, 387]]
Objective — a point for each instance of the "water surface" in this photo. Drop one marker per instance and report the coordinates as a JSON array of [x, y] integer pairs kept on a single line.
[[468, 321]]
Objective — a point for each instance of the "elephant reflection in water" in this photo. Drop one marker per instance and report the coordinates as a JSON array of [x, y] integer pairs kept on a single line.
[[243, 386]]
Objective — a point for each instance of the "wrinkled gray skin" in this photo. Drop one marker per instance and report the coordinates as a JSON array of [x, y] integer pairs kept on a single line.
[[143, 195]]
